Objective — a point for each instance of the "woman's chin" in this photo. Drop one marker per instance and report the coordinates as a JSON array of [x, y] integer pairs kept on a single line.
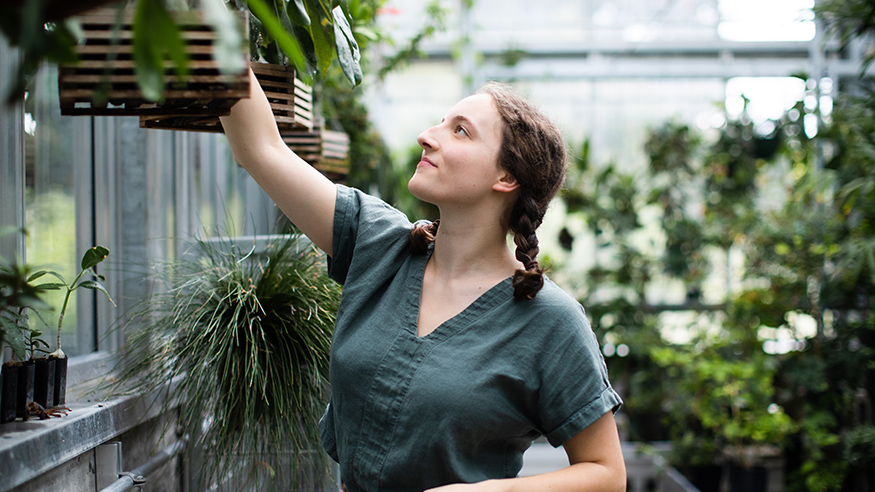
[[416, 188]]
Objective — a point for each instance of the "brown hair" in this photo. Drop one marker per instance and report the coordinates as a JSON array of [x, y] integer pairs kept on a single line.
[[534, 152]]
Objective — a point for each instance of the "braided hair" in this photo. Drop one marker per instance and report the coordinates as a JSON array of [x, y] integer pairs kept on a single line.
[[534, 152]]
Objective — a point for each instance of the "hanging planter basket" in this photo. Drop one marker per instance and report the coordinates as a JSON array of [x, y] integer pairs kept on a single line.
[[104, 82], [326, 150], [290, 99]]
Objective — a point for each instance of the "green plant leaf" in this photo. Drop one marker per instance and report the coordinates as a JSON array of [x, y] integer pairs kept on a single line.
[[229, 45], [94, 256], [36, 275], [57, 276], [347, 49], [95, 285], [156, 33], [322, 33], [51, 286], [17, 341], [273, 27], [298, 13]]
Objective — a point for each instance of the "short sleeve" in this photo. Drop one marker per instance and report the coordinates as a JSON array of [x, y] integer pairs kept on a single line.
[[575, 391], [364, 228]]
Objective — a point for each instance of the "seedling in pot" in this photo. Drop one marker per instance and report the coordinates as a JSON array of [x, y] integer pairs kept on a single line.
[[90, 260], [93, 280]]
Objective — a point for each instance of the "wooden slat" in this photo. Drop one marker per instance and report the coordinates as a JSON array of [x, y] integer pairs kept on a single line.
[[325, 150], [281, 89], [106, 69]]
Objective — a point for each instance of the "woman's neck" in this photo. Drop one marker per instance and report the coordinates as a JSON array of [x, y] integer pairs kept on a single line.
[[465, 249]]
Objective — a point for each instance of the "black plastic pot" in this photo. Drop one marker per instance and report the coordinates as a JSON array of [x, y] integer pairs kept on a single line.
[[706, 478], [9, 399], [753, 479], [60, 396], [25, 387], [44, 382]]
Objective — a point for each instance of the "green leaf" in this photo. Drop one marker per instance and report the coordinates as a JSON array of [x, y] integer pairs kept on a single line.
[[274, 28], [95, 285], [229, 45], [36, 275], [51, 286], [57, 276], [298, 13], [156, 34], [322, 33], [17, 342], [94, 256], [347, 49]]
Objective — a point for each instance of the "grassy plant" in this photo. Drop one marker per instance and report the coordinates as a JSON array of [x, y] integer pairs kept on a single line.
[[247, 336]]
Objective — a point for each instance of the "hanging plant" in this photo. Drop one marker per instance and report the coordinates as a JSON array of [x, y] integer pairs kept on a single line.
[[310, 33], [245, 338], [296, 30]]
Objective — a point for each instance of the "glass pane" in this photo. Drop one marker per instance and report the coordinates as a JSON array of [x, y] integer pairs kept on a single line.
[[50, 203]]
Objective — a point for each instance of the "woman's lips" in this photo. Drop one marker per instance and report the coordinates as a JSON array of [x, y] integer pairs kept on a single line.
[[425, 161]]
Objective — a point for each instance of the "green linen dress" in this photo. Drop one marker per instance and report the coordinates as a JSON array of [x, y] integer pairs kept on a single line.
[[463, 403]]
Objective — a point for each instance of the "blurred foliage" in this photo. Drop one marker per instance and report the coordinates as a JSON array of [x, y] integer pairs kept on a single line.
[[727, 399], [801, 211], [849, 20]]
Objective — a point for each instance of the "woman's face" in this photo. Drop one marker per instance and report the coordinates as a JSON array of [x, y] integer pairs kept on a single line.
[[459, 162]]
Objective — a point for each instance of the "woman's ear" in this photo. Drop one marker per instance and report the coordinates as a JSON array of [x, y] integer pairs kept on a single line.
[[506, 183]]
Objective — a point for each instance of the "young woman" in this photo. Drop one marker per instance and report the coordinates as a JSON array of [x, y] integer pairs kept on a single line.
[[451, 353]]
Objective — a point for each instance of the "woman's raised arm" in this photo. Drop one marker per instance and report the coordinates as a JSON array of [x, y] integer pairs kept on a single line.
[[301, 192]]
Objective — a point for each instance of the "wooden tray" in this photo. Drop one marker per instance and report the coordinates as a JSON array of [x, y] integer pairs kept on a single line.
[[290, 99], [104, 82], [326, 150]]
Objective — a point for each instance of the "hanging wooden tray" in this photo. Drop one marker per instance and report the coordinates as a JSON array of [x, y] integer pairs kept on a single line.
[[103, 82], [326, 150], [290, 99]]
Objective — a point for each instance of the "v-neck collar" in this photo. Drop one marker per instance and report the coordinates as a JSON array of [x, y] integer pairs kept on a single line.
[[497, 294]]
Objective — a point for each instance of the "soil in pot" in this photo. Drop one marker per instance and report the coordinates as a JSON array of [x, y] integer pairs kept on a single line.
[[25, 387], [44, 382], [9, 397], [60, 396]]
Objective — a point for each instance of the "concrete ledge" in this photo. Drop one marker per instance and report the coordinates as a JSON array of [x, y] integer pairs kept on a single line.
[[29, 449]]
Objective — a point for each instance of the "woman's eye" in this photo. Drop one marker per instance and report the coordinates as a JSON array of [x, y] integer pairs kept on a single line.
[[461, 130]]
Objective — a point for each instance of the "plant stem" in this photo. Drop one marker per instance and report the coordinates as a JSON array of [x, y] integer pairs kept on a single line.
[[60, 353]]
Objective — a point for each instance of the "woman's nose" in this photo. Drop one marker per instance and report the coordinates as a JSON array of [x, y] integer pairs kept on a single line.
[[426, 139]]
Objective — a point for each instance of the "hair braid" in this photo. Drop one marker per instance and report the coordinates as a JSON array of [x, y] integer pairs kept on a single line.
[[422, 235], [528, 280]]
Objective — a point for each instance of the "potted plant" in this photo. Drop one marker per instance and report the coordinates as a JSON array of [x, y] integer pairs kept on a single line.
[[724, 403], [243, 337], [41, 380], [92, 257], [17, 295]]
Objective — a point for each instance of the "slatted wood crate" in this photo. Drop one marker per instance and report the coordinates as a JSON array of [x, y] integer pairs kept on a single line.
[[290, 99], [326, 150], [104, 82]]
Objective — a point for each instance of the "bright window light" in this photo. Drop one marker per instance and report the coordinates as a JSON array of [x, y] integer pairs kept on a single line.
[[771, 20], [769, 97]]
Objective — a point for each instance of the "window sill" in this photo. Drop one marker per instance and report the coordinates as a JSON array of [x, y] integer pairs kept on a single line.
[[29, 449]]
